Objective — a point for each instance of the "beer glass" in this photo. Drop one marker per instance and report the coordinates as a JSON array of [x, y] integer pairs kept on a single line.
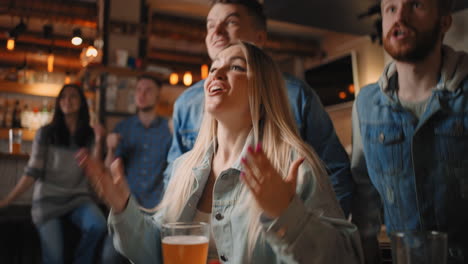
[[15, 136], [185, 242], [419, 247]]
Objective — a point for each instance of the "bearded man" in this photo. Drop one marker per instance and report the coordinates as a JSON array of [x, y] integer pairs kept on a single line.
[[410, 132]]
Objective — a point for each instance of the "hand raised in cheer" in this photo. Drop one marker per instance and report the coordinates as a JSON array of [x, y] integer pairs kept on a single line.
[[110, 185], [272, 192]]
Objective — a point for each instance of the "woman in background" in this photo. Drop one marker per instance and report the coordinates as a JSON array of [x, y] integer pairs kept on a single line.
[[61, 190], [264, 191]]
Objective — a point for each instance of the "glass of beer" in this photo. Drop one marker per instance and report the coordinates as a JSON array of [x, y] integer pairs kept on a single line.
[[185, 242], [15, 136], [419, 247]]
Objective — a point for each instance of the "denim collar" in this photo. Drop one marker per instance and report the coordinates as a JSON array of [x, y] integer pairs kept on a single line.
[[208, 157]]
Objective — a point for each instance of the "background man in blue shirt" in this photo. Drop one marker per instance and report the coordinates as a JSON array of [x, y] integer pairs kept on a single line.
[[229, 21], [143, 141]]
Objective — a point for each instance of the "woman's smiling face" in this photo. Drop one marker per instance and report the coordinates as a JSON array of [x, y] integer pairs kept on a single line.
[[226, 88]]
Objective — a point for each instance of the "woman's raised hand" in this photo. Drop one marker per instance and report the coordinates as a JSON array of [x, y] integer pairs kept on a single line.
[[272, 193], [110, 185]]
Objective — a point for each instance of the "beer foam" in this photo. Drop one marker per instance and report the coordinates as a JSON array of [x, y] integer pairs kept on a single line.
[[185, 240]]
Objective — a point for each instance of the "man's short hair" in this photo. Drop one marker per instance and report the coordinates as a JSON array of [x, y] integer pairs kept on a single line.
[[446, 6], [254, 8], [150, 77]]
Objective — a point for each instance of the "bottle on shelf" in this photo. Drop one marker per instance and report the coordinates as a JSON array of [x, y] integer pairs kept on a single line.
[[7, 115], [25, 116], [16, 115], [35, 122], [2, 109]]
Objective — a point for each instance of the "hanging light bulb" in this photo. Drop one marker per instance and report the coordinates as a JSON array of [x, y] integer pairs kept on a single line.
[[351, 89], [187, 78], [91, 51], [14, 33], [10, 44], [173, 78], [342, 95], [204, 71], [67, 78], [77, 39], [50, 62]]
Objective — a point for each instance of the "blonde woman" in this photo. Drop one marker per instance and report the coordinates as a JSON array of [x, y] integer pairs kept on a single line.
[[264, 191]]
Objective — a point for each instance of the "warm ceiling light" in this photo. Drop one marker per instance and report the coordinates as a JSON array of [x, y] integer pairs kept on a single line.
[[91, 51], [351, 88], [77, 39], [173, 78], [204, 71], [50, 62], [342, 95], [67, 78], [14, 33], [10, 45], [187, 78]]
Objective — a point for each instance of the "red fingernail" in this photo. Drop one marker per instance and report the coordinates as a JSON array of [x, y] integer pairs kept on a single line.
[[259, 147], [244, 160], [250, 149]]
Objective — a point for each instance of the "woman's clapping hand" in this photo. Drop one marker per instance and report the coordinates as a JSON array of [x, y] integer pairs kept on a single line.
[[272, 192], [110, 185]]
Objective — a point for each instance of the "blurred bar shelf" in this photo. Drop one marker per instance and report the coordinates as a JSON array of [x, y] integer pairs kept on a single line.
[[28, 134]]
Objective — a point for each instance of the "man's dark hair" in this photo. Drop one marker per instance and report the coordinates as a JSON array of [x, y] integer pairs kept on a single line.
[[152, 78], [445, 7], [254, 8]]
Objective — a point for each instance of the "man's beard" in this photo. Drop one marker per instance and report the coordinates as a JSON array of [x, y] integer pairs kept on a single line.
[[415, 49]]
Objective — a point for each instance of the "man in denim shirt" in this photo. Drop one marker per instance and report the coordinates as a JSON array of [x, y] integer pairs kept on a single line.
[[410, 132], [229, 21]]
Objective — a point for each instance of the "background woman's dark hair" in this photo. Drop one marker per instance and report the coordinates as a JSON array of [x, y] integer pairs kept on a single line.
[[58, 133]]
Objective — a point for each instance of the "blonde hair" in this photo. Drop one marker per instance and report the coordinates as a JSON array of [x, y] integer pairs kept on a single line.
[[273, 125]]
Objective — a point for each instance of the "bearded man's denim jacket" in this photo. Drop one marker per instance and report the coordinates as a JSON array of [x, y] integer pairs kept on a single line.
[[416, 168]]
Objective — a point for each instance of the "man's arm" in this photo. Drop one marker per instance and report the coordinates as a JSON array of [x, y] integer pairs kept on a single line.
[[177, 148], [318, 131], [186, 119], [113, 140], [366, 203]]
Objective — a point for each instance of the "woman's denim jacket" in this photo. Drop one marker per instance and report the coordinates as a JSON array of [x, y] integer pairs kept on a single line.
[[418, 169], [311, 230], [314, 125]]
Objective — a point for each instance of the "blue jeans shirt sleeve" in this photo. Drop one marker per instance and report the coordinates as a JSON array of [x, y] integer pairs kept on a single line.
[[186, 118], [316, 128], [366, 202], [176, 148]]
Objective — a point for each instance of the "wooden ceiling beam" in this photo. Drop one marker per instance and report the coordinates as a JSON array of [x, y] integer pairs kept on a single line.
[[37, 60], [36, 38], [70, 12]]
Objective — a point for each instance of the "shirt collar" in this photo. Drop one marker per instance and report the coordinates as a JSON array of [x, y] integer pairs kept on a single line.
[[153, 123]]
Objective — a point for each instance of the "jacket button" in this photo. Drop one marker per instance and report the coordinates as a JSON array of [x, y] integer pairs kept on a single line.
[[224, 258], [219, 216], [381, 137]]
